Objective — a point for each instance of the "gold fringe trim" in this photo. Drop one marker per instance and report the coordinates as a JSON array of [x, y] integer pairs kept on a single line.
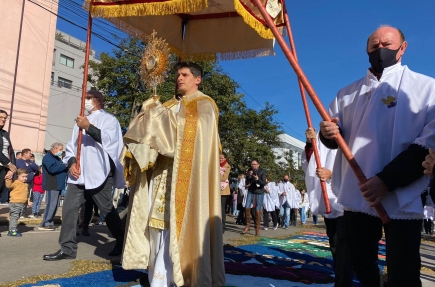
[[261, 29], [170, 7], [79, 267]]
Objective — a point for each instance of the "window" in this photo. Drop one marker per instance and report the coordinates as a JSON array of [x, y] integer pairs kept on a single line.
[[67, 61], [64, 83]]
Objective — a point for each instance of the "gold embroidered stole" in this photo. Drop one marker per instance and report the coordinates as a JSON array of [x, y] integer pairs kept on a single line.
[[161, 193]]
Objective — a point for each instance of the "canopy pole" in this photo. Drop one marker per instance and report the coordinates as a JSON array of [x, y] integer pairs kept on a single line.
[[85, 82], [314, 98], [307, 113]]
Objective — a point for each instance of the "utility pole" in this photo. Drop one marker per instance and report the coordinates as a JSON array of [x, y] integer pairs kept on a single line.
[[16, 68]]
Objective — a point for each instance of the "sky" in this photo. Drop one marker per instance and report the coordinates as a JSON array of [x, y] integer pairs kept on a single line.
[[330, 38]]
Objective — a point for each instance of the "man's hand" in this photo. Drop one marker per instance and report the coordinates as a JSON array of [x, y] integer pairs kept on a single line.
[[75, 172], [9, 175], [429, 162], [12, 167], [330, 130], [256, 177], [323, 173], [374, 190], [284, 193], [266, 189], [310, 134], [82, 122]]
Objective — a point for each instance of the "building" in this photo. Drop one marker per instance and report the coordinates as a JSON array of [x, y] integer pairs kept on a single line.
[[66, 87], [32, 89], [292, 144]]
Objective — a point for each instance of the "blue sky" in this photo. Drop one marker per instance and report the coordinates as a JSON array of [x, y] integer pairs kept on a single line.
[[330, 38]]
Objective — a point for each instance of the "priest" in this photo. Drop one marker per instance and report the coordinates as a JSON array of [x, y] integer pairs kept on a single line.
[[174, 227]]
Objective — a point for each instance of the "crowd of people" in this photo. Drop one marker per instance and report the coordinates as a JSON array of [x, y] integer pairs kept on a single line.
[[179, 192]]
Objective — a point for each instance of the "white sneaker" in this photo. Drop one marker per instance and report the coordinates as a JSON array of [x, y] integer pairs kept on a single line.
[[275, 228], [264, 228], [32, 216]]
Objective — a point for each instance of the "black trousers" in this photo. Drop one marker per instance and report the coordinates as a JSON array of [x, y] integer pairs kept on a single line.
[[241, 217], [74, 197], [293, 216], [402, 245], [335, 229], [428, 226], [266, 218]]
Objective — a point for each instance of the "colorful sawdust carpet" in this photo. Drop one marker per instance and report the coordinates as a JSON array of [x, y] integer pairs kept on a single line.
[[298, 260]]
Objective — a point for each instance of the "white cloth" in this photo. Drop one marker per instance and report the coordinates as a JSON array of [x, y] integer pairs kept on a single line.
[[94, 160], [428, 212], [304, 201], [242, 186], [271, 200], [312, 181], [293, 197], [379, 120]]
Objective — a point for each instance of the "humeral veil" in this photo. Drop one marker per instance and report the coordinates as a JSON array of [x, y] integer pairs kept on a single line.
[[171, 160]]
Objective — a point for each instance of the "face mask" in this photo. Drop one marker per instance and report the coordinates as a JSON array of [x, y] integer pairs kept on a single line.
[[88, 105], [382, 58], [285, 180]]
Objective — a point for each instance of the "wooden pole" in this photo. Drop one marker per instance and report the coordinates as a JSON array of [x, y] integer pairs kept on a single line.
[[315, 99], [307, 114], [85, 82]]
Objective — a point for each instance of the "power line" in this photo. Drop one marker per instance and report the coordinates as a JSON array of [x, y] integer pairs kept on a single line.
[[272, 115]]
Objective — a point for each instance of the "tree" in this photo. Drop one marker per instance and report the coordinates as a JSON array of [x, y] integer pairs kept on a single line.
[[293, 169], [245, 133]]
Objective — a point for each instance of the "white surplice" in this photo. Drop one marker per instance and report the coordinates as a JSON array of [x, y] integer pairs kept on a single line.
[[380, 119], [271, 200], [312, 181], [242, 187], [94, 160], [293, 197]]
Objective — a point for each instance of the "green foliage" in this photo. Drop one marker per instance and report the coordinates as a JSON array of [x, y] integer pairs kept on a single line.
[[245, 133], [288, 166]]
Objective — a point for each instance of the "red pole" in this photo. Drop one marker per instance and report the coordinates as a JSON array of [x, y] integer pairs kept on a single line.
[[314, 98], [85, 82], [307, 113]]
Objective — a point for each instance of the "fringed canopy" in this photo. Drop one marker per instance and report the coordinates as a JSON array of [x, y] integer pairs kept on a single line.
[[195, 29]]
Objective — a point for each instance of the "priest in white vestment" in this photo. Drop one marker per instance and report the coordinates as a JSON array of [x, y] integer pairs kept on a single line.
[[289, 199], [270, 204]]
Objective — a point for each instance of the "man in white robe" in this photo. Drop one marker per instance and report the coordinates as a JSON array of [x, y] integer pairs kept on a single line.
[[387, 119], [100, 171], [270, 204], [289, 199], [334, 221]]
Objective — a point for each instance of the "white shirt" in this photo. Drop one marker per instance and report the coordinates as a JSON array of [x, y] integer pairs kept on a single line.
[[94, 160], [379, 120], [312, 181], [242, 186], [271, 200], [293, 197]]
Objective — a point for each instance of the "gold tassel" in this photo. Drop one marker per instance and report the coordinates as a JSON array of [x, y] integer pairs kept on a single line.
[[261, 29], [147, 9]]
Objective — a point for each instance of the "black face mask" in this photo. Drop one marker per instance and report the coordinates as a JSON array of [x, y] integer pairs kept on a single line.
[[285, 180], [382, 58]]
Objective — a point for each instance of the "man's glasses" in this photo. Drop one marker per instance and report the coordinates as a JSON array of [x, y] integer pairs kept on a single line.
[[4, 118]]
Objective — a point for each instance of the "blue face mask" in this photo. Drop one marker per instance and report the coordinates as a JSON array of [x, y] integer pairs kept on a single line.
[[59, 153]]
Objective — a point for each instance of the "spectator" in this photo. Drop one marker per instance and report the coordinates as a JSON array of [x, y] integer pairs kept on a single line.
[[235, 210], [18, 155], [53, 181], [38, 193], [255, 180], [31, 167], [224, 171], [7, 156], [32, 157], [428, 214], [19, 198], [241, 199]]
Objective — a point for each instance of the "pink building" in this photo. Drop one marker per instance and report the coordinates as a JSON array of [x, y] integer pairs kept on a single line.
[[34, 69]]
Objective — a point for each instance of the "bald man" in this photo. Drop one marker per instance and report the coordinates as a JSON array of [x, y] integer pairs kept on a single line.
[[387, 119]]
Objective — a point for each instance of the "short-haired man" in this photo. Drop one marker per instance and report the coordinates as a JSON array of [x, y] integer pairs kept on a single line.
[[18, 155], [100, 171], [256, 181], [387, 118], [53, 182], [7, 156], [176, 144]]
